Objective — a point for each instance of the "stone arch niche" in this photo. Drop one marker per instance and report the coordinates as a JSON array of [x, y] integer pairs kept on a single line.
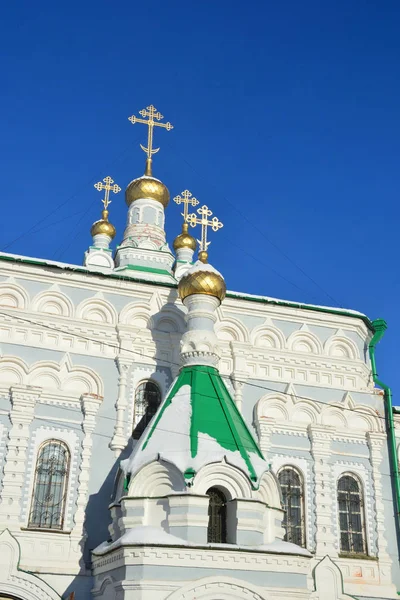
[[218, 588], [16, 583], [13, 296]]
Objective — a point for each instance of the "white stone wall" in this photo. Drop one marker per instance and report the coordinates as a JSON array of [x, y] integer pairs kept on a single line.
[[298, 374]]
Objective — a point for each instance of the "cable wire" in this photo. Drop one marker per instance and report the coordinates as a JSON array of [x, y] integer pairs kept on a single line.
[[172, 363]]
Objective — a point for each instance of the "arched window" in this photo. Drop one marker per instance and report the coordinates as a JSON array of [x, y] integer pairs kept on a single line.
[[293, 503], [351, 515], [216, 530], [50, 486], [147, 400]]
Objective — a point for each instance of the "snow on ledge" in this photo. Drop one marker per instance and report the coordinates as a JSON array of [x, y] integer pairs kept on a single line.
[[155, 536]]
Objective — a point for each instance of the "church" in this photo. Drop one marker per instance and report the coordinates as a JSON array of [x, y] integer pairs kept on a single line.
[[164, 438]]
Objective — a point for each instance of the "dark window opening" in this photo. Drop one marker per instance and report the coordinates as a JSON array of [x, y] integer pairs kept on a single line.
[[351, 516], [50, 486], [293, 504], [216, 531], [147, 400]]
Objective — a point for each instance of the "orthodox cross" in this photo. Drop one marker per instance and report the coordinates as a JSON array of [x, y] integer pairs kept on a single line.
[[204, 213], [108, 186], [186, 198], [154, 116]]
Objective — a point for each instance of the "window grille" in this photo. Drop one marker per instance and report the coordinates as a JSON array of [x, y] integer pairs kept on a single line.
[[216, 531], [147, 400], [351, 515], [293, 504], [50, 486]]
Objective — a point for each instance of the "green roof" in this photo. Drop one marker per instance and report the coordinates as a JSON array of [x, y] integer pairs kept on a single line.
[[197, 424]]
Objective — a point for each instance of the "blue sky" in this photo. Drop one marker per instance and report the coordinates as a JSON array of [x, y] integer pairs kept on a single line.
[[287, 126]]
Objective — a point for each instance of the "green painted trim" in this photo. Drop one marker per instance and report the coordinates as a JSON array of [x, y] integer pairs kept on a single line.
[[167, 402], [108, 250], [233, 295], [380, 327], [144, 269], [215, 414], [78, 269], [311, 307]]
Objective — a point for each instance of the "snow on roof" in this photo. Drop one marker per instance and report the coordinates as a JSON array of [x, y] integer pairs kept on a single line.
[[203, 267], [155, 536], [346, 312], [198, 424]]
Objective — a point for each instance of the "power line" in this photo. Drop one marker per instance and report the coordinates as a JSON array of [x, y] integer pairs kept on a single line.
[[68, 200], [172, 363], [260, 231]]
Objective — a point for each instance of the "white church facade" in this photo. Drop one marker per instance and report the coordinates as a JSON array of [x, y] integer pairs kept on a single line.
[[162, 438]]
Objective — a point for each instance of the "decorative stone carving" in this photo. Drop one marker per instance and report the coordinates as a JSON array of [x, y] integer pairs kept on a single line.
[[23, 401]]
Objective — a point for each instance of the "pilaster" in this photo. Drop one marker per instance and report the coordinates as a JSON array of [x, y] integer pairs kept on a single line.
[[90, 405], [325, 493], [23, 401], [118, 441], [376, 443]]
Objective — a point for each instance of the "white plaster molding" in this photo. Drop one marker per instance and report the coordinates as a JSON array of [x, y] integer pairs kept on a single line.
[[225, 476], [53, 302], [50, 376], [224, 588], [303, 466], [16, 582], [13, 296], [23, 400], [324, 492], [39, 437], [359, 470], [90, 406], [97, 310]]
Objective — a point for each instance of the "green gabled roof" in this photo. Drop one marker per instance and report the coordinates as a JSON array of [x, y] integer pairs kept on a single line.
[[197, 424]]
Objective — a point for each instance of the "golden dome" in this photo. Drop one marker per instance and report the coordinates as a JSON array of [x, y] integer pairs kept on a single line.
[[103, 226], [184, 239], [202, 280], [147, 187]]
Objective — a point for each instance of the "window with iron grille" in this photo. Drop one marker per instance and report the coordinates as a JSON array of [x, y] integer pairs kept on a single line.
[[50, 486], [147, 400], [216, 531], [293, 503], [351, 515]]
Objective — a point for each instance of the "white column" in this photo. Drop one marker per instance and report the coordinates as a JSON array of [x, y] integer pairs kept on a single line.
[[265, 427], [199, 345], [90, 405], [376, 442], [119, 440], [325, 493], [23, 399]]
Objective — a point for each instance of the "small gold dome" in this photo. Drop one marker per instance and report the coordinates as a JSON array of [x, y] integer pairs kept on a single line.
[[103, 226], [184, 239], [202, 281], [147, 187]]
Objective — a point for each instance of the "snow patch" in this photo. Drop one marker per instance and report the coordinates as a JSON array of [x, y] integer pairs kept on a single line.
[[204, 267], [171, 438], [141, 535], [156, 536]]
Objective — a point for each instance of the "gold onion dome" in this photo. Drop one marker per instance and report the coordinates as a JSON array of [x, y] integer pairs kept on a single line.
[[148, 188], [202, 278], [103, 226], [184, 239]]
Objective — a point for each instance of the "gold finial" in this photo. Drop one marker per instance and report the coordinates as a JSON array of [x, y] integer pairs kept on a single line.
[[186, 198], [154, 115], [108, 186], [193, 220], [203, 256]]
